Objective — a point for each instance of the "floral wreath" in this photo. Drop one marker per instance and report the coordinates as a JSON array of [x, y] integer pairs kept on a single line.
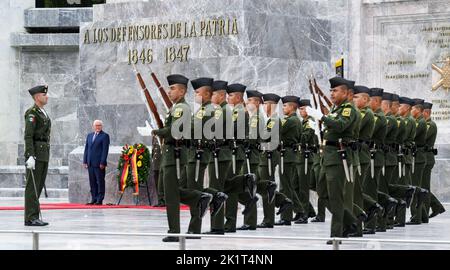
[[133, 167]]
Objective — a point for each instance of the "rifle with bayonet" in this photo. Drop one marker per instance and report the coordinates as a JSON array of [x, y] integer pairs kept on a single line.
[[163, 92], [343, 154], [198, 158]]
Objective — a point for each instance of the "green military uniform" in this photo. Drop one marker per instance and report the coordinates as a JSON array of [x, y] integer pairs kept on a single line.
[[420, 159], [174, 188], [223, 152], [290, 137], [410, 134], [338, 125], [37, 145], [378, 137], [155, 173], [430, 161]]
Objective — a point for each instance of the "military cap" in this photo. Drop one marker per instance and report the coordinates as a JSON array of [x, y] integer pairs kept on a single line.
[[361, 89], [290, 99], [38, 89], [271, 97], [376, 92], [387, 96], [395, 97], [418, 101], [304, 102], [337, 81], [427, 105], [236, 87], [406, 100], [254, 93], [177, 79], [200, 82], [219, 85]]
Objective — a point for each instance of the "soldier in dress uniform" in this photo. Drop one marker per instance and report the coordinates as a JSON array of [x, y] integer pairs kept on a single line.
[[37, 152]]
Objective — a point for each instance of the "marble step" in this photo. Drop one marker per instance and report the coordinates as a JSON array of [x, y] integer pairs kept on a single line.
[[19, 192], [14, 177]]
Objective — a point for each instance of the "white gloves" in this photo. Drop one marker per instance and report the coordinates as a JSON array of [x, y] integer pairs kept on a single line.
[[316, 114], [31, 163], [312, 124], [145, 131]]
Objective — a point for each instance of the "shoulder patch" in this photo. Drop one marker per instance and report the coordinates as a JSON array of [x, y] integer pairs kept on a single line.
[[346, 112], [218, 113], [178, 112], [200, 113], [235, 115], [271, 124], [31, 118], [254, 122], [283, 121]]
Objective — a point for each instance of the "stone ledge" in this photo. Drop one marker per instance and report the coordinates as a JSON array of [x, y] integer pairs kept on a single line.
[[19, 193], [67, 41], [56, 17]]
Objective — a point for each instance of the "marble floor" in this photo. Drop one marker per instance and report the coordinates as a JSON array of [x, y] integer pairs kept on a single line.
[[154, 221]]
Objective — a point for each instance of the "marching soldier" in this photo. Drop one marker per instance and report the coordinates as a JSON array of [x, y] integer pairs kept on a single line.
[[37, 152], [220, 164], [269, 159], [377, 154], [336, 155], [419, 159], [174, 161], [431, 201], [290, 137], [199, 151]]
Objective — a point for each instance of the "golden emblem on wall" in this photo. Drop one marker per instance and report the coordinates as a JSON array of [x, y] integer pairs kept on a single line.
[[444, 82]]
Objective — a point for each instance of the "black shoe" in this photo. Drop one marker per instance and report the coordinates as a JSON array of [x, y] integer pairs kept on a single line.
[[90, 203], [285, 205], [399, 225], [421, 197], [433, 214], [282, 222], [246, 227], [369, 231], [409, 195], [171, 239], [355, 234], [350, 230], [264, 225], [193, 237], [271, 191], [203, 204], [250, 184], [375, 210], [317, 219], [330, 242], [161, 203], [401, 205], [362, 217], [36, 222], [379, 229], [390, 207], [249, 205], [413, 222], [215, 231], [312, 214], [298, 216], [227, 230], [98, 203], [301, 220], [389, 226], [217, 203]]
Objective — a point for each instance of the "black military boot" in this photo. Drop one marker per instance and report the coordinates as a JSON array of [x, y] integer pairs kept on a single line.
[[390, 207], [217, 202], [264, 225], [375, 210], [249, 205], [282, 222], [317, 219], [246, 227], [271, 191], [435, 213], [409, 195], [250, 184], [170, 239], [285, 205], [203, 204], [350, 230], [422, 193], [36, 222]]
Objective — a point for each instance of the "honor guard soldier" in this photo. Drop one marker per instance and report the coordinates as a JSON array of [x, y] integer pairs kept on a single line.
[[336, 155], [174, 157], [419, 159], [436, 206], [290, 133], [37, 152]]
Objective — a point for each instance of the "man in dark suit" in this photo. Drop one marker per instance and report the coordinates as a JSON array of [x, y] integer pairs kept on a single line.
[[95, 155]]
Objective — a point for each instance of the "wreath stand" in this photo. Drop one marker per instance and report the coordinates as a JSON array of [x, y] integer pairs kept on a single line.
[[136, 197]]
